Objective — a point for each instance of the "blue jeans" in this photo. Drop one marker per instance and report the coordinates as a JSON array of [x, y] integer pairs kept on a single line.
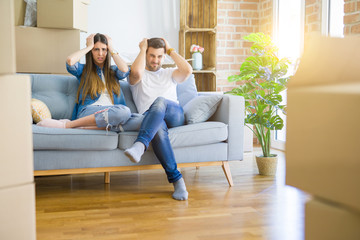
[[162, 114], [117, 118]]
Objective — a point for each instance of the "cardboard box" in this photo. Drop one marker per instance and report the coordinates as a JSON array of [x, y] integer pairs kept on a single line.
[[323, 130], [20, 8], [16, 147], [324, 221], [43, 50], [17, 218], [66, 14], [7, 39]]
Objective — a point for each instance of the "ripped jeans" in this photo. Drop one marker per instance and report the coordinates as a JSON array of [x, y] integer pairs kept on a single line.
[[116, 118]]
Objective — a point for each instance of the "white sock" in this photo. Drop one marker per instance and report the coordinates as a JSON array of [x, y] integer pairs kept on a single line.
[[180, 192], [135, 152]]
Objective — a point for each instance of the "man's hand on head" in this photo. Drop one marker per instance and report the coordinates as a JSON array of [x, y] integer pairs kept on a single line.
[[143, 45], [167, 45]]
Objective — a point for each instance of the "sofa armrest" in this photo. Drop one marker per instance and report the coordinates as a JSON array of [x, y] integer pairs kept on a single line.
[[231, 112]]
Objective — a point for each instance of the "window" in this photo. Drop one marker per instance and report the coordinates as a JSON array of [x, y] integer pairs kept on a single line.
[[332, 22], [288, 36]]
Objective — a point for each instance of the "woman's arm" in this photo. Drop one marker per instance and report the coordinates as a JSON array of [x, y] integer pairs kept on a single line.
[[76, 56], [138, 66], [120, 63]]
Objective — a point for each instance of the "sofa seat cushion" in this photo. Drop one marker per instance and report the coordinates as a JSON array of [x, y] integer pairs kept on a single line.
[[185, 136], [73, 139]]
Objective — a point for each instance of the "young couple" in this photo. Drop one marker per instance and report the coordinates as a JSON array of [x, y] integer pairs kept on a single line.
[[101, 104]]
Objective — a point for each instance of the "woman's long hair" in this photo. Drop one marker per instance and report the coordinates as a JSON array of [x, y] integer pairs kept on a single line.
[[91, 84]]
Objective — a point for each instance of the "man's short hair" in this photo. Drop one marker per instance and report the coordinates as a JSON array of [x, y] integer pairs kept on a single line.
[[157, 43]]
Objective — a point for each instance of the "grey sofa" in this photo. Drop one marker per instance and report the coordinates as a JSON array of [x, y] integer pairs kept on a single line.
[[74, 151]]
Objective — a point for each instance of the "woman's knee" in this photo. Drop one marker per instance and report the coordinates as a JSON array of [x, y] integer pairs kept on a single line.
[[119, 114]]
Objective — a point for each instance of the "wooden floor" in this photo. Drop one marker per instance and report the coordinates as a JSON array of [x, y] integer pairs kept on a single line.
[[138, 205]]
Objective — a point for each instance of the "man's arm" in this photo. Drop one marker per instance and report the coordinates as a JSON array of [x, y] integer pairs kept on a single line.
[[138, 66], [184, 68]]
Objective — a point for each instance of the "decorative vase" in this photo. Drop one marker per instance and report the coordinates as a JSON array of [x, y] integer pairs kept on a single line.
[[267, 165], [197, 61]]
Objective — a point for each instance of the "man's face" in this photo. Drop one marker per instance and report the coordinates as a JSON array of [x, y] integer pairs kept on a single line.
[[154, 58]]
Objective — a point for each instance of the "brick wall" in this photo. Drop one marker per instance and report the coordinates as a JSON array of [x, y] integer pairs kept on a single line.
[[236, 19], [351, 17], [266, 16], [312, 16]]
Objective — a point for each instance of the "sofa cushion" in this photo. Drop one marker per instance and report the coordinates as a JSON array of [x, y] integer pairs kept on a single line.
[[185, 136], [201, 108], [39, 110], [57, 92], [125, 88], [73, 139], [186, 91]]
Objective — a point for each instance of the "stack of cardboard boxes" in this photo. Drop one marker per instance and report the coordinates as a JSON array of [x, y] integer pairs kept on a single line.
[[43, 49], [17, 194], [323, 137]]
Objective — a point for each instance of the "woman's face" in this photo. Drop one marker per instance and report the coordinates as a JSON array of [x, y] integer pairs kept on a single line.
[[99, 53]]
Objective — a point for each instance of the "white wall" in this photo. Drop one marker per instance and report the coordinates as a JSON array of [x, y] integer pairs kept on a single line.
[[127, 22]]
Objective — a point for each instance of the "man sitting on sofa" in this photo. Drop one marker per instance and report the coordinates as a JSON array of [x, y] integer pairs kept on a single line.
[[154, 93]]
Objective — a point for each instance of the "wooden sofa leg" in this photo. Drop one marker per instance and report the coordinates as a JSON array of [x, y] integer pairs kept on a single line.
[[226, 169], [107, 177]]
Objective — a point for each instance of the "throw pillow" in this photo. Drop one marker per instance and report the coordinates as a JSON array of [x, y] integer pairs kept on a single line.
[[201, 108], [39, 110], [186, 90]]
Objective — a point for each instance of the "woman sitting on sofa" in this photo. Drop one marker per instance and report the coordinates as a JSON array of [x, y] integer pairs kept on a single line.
[[101, 105], [100, 102]]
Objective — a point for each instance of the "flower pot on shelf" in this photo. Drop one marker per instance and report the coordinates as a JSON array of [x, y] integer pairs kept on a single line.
[[267, 165], [197, 61]]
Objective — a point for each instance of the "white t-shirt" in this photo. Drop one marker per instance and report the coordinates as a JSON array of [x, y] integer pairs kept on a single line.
[[153, 85], [104, 99]]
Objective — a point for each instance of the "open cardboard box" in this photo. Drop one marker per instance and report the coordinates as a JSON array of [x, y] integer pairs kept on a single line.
[[323, 127]]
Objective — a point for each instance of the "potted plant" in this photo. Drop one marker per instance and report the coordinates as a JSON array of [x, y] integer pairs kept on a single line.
[[263, 78]]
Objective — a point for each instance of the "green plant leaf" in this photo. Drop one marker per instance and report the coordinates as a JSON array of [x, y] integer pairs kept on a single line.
[[263, 77]]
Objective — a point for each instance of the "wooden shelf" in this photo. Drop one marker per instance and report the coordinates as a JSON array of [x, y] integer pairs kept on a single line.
[[205, 81], [212, 70], [198, 21], [198, 14], [212, 30]]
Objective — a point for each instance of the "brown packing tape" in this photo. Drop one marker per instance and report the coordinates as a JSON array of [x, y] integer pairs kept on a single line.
[[328, 61]]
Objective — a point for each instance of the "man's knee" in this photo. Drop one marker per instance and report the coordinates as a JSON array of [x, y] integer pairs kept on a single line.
[[160, 102]]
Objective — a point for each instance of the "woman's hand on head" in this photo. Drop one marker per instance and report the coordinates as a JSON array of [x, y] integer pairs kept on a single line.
[[110, 43], [90, 41], [143, 45]]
